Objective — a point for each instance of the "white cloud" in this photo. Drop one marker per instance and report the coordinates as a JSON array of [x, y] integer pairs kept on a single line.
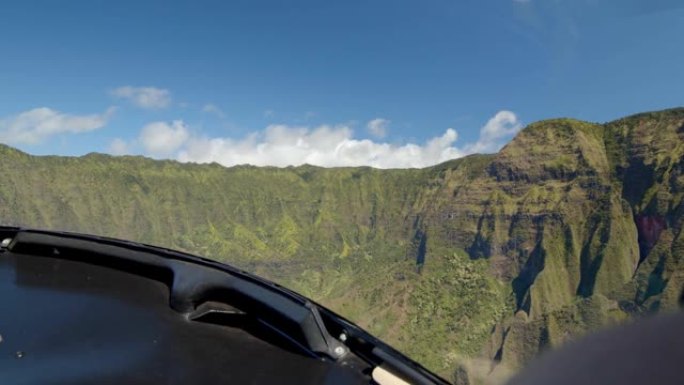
[[119, 146], [326, 145], [144, 97], [378, 127], [498, 130], [34, 126], [163, 139]]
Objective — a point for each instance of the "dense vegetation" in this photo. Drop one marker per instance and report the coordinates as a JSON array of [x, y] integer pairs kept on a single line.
[[471, 267]]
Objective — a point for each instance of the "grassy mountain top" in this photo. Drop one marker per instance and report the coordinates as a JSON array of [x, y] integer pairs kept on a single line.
[[471, 266]]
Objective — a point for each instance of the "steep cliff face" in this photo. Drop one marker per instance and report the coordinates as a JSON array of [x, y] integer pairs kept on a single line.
[[646, 152], [584, 222], [546, 214], [472, 266]]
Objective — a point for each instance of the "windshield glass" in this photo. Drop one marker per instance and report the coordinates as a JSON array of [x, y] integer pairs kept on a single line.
[[473, 182]]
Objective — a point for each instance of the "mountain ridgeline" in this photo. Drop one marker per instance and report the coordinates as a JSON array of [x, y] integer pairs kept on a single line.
[[471, 267]]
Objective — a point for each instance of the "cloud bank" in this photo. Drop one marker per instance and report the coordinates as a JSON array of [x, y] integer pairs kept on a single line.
[[325, 145], [36, 125]]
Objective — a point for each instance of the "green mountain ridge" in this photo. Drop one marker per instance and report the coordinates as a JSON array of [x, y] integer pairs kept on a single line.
[[472, 266]]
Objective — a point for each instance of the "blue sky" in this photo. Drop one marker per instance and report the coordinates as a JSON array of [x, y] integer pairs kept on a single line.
[[383, 83]]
